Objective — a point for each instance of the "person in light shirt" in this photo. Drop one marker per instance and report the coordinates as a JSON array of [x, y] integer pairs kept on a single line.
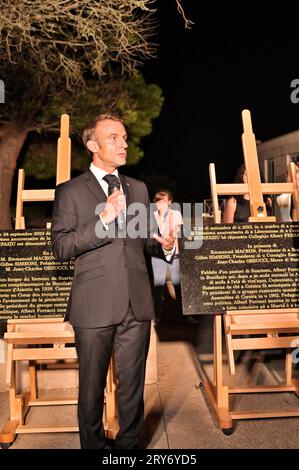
[[286, 212], [166, 217]]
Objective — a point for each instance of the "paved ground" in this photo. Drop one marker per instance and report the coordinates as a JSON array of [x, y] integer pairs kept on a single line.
[[178, 415]]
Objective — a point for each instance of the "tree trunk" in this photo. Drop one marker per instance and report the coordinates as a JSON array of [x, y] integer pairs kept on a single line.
[[12, 138]]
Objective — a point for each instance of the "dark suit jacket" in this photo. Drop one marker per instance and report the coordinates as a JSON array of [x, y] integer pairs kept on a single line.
[[109, 272]]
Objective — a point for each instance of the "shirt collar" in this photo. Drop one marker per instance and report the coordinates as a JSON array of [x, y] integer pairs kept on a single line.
[[99, 173]]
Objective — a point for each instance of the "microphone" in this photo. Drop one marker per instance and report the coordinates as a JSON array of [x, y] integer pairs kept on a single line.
[[121, 220]]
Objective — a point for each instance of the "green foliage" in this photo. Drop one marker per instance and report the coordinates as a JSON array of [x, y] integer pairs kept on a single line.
[[135, 101], [40, 160]]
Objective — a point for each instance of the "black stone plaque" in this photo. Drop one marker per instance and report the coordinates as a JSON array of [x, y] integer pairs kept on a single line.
[[239, 267], [32, 283]]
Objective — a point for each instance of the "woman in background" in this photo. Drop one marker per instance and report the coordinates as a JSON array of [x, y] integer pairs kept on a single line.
[[237, 208], [284, 201], [166, 218]]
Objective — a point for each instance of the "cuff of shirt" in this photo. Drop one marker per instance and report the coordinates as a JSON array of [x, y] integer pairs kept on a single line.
[[105, 225], [168, 253]]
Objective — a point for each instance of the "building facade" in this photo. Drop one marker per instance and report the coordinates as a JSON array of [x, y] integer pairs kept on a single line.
[[275, 155]]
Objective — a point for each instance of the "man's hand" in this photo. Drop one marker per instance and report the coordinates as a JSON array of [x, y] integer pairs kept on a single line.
[[114, 205]]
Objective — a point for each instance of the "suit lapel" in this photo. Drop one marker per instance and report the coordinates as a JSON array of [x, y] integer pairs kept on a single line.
[[94, 186], [96, 189], [126, 188], [128, 191]]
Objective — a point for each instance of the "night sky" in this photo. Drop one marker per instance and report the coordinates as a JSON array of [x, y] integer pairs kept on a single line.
[[232, 58]]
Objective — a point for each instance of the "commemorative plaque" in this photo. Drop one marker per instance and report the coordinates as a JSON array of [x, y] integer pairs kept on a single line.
[[32, 283], [240, 267]]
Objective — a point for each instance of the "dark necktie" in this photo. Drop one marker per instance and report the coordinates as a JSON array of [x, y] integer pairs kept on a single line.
[[113, 183]]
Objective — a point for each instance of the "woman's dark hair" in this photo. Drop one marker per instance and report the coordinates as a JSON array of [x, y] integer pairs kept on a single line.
[[239, 179], [162, 193], [240, 173]]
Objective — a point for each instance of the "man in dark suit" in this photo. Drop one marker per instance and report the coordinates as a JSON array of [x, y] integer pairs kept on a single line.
[[110, 305]]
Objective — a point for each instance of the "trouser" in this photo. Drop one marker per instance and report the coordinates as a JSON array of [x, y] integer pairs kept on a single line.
[[130, 341], [159, 272]]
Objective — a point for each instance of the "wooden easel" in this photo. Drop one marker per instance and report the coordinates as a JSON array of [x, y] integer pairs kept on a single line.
[[63, 173], [269, 323], [25, 337], [255, 188]]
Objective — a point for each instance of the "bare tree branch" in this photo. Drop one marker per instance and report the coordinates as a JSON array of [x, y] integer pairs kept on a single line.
[[77, 36], [188, 23]]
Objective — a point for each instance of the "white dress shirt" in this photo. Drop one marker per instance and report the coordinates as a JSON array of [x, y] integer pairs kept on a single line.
[[99, 174]]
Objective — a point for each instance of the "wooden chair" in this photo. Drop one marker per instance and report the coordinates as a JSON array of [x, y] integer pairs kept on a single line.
[[44, 341]]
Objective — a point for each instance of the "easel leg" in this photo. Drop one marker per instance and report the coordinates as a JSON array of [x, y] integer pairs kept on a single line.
[[214, 354], [217, 392], [32, 378], [8, 432], [110, 402], [229, 346], [288, 367]]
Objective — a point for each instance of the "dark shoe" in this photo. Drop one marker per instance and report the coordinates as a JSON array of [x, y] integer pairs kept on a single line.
[[190, 320], [130, 446], [110, 444]]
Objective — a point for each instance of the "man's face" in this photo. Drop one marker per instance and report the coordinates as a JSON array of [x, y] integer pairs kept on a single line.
[[109, 146]]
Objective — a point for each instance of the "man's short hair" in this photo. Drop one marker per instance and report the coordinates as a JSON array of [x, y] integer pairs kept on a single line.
[[89, 131]]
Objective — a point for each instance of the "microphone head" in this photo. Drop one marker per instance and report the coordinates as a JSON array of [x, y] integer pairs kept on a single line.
[[115, 185]]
